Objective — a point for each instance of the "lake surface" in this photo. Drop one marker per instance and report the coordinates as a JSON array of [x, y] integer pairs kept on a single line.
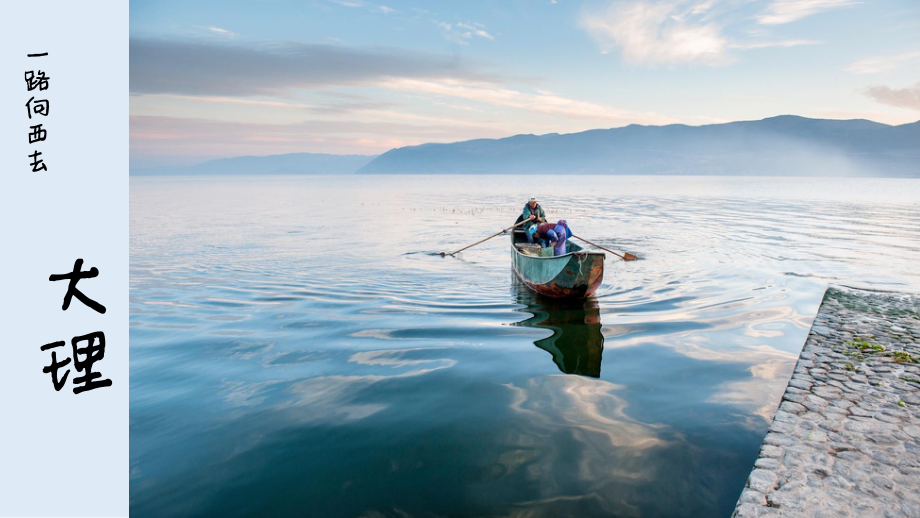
[[297, 349]]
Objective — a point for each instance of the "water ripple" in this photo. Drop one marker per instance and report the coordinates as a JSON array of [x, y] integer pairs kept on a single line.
[[299, 344]]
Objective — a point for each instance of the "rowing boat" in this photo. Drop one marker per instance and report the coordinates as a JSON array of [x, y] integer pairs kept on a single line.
[[576, 274]]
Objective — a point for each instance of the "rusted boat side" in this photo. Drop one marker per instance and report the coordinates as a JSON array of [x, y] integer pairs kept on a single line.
[[574, 275]]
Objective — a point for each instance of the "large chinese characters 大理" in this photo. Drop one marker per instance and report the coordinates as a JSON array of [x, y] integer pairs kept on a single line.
[[84, 356]]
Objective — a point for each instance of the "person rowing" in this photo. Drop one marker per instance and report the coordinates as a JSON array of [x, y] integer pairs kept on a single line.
[[533, 213]]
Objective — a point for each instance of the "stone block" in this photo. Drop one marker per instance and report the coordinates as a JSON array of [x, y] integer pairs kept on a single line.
[[762, 480]]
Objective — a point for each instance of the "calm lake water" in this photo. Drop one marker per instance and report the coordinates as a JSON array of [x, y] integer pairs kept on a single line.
[[296, 349]]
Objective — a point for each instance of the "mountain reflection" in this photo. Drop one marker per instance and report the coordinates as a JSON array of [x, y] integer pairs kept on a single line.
[[576, 343]]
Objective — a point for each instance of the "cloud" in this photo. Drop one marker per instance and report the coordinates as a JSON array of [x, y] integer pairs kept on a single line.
[[540, 102], [658, 32], [478, 29], [785, 11], [899, 97], [162, 140], [369, 6], [206, 68], [702, 7], [357, 105], [218, 30], [669, 32], [768, 44], [462, 33], [883, 63]]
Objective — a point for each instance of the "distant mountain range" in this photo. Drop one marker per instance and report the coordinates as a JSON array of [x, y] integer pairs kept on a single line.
[[293, 163], [784, 145]]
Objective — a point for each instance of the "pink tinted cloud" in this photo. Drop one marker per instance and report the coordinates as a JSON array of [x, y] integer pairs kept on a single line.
[[161, 140]]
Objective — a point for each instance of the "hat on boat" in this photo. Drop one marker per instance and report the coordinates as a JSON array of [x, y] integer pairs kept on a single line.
[[531, 230], [551, 234], [562, 222], [532, 200]]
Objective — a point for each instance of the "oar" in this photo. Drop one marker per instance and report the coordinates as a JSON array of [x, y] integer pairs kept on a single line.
[[627, 257], [484, 240]]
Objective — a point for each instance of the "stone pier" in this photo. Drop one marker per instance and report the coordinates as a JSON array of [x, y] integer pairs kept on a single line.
[[845, 440]]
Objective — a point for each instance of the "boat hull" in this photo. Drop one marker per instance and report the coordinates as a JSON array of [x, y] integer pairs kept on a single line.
[[574, 275]]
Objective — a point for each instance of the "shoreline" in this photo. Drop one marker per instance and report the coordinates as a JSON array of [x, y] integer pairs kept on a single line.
[[845, 440]]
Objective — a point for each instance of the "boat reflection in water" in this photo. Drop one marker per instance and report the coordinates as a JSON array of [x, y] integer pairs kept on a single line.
[[576, 343]]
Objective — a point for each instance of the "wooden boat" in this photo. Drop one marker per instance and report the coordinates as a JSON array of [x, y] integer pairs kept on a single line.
[[577, 274]]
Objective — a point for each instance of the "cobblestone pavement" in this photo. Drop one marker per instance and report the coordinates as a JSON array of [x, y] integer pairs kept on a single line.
[[845, 440]]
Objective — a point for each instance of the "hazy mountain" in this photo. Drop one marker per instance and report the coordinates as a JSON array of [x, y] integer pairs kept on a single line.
[[785, 145], [294, 163]]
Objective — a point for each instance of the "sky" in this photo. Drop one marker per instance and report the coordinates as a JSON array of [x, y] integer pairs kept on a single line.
[[214, 79]]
